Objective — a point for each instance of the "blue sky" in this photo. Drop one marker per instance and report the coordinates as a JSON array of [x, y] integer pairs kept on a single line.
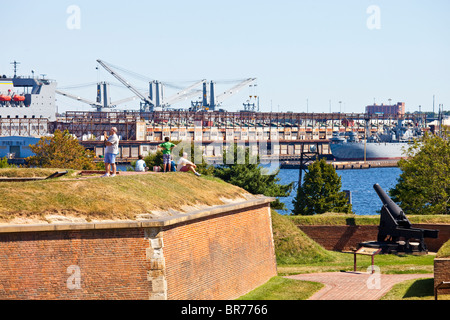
[[299, 51]]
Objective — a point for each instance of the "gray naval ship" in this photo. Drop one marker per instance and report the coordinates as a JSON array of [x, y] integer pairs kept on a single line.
[[30, 98], [391, 145]]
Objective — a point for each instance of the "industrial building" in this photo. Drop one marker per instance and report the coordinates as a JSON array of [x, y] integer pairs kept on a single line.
[[16, 147], [396, 109]]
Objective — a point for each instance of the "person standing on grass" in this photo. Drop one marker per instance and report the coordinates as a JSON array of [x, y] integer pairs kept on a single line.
[[166, 147], [111, 151], [184, 165]]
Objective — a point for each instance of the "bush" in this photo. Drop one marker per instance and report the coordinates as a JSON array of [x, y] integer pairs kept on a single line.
[[62, 150], [321, 191], [4, 163], [252, 177]]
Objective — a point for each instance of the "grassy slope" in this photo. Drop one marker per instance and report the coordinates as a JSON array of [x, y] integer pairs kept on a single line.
[[122, 197], [297, 253], [444, 251], [292, 246]]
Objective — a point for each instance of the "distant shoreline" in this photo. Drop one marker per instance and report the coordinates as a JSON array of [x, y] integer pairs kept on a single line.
[[346, 165]]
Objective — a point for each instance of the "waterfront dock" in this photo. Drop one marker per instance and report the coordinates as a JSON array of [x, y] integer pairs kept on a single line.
[[346, 165]]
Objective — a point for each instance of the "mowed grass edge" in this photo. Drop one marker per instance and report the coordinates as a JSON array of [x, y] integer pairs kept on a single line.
[[121, 197]]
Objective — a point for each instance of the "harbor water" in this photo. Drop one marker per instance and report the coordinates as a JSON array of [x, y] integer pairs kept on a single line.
[[365, 200]]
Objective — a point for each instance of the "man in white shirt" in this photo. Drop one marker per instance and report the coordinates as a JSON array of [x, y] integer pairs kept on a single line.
[[184, 165], [111, 151]]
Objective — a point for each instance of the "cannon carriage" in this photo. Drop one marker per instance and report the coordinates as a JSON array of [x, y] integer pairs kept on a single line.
[[395, 232]]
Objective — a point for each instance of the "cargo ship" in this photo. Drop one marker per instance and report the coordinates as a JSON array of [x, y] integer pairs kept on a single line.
[[354, 151], [347, 147], [27, 98]]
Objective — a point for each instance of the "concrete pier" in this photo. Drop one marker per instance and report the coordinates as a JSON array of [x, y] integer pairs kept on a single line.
[[345, 165]]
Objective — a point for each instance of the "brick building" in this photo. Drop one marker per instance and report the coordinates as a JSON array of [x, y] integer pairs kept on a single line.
[[396, 109]]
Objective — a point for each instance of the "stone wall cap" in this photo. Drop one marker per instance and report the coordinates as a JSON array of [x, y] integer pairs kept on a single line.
[[141, 223]]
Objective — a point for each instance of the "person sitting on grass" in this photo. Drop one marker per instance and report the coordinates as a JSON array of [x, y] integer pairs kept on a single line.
[[141, 166], [184, 165]]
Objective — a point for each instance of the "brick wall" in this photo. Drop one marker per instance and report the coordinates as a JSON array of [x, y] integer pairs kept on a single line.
[[347, 237], [219, 253], [204, 259], [110, 264], [442, 273], [444, 234]]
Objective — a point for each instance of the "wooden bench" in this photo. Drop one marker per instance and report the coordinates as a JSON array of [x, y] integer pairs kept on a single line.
[[442, 285]]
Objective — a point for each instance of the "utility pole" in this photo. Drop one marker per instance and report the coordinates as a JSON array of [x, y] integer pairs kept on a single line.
[[433, 106], [305, 159]]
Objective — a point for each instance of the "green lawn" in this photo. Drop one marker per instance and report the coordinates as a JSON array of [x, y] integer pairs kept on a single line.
[[421, 289], [296, 253], [389, 264], [279, 288]]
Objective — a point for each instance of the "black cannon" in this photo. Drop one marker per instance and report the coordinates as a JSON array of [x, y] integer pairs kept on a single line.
[[395, 232]]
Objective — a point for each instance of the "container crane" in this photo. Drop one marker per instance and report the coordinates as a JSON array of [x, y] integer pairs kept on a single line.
[[78, 98], [146, 104], [222, 97], [102, 99], [184, 94]]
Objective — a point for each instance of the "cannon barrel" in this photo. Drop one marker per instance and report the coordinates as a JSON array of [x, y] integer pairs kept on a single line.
[[394, 209]]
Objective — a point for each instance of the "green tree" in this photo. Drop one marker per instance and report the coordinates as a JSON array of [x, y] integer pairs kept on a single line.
[[154, 160], [4, 163], [251, 176], [424, 184], [62, 150], [320, 191]]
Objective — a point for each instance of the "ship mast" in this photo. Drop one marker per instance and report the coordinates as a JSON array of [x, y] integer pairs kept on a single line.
[[15, 63]]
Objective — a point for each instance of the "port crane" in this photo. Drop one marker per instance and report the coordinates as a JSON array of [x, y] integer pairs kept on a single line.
[[146, 104], [184, 94], [78, 98], [149, 103], [217, 101], [103, 100], [222, 97]]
